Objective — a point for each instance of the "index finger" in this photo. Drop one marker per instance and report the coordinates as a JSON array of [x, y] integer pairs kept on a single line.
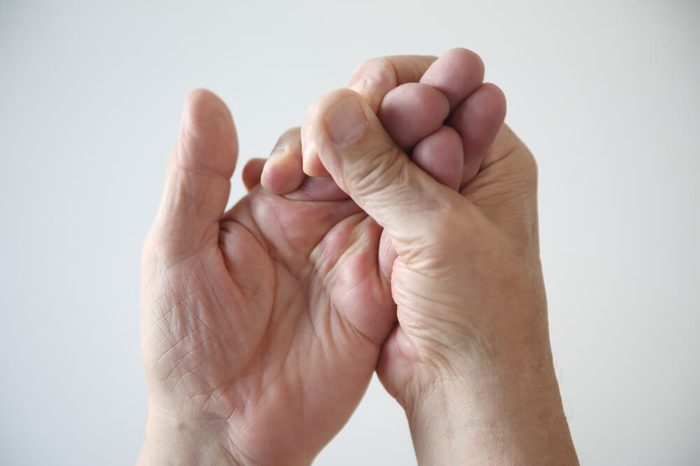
[[374, 78]]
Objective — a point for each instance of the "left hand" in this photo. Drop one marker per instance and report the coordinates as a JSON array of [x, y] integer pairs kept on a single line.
[[261, 326]]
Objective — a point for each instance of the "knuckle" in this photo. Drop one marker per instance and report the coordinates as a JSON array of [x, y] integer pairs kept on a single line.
[[374, 78], [380, 170]]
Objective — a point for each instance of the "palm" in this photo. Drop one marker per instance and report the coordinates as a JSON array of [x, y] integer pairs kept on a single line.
[[275, 325]]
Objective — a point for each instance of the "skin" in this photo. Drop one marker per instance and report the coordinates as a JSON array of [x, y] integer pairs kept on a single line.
[[262, 325], [440, 112], [238, 376], [469, 359]]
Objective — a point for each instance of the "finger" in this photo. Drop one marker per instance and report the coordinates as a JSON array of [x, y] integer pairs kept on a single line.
[[317, 189], [456, 74], [198, 180], [311, 163], [386, 257], [441, 156], [411, 112], [252, 172], [478, 120], [366, 163], [373, 79], [283, 172]]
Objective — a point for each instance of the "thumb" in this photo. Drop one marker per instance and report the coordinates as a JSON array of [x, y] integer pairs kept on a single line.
[[198, 177], [366, 163]]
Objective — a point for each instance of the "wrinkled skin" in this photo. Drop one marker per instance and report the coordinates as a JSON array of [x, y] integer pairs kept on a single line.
[[263, 325], [264, 328]]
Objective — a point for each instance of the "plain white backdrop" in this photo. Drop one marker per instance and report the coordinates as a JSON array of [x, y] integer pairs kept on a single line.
[[606, 94]]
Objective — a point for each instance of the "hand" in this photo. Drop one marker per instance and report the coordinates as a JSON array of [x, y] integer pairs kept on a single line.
[[470, 359], [261, 326]]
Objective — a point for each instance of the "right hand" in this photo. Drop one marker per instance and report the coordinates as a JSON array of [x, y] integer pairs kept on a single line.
[[469, 359]]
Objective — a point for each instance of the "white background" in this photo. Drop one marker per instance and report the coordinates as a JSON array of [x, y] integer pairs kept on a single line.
[[606, 94]]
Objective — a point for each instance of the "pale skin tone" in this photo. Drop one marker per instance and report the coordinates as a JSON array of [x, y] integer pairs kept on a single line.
[[261, 326]]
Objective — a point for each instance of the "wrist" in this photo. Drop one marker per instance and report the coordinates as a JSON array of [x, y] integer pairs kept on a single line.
[[492, 412], [175, 442]]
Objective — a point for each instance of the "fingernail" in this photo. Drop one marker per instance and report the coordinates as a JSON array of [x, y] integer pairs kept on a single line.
[[346, 122], [306, 161]]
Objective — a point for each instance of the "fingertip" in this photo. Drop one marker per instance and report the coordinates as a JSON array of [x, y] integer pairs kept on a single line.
[[200, 98], [457, 73], [202, 106], [282, 173], [198, 180], [268, 178], [207, 140], [478, 120], [412, 111], [441, 156], [283, 169], [499, 103], [312, 165], [252, 172], [315, 129], [466, 56]]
